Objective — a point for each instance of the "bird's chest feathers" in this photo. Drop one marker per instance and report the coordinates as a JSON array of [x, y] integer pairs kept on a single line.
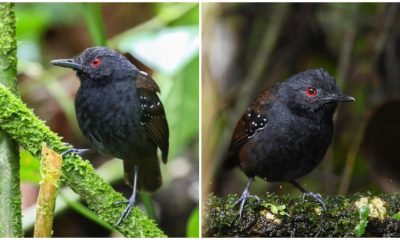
[[293, 138], [111, 109], [107, 101]]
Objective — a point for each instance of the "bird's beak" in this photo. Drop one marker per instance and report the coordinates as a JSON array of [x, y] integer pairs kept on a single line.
[[67, 63], [345, 98]]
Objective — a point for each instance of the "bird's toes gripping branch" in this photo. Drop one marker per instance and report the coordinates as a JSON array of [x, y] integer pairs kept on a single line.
[[242, 200], [131, 201], [75, 151], [127, 210], [316, 196]]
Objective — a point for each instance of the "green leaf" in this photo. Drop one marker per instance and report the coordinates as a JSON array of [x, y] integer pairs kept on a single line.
[[167, 12], [276, 209], [94, 21], [363, 215], [192, 228], [181, 95], [30, 167], [396, 216]]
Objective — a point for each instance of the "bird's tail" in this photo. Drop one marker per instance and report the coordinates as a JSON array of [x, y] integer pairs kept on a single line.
[[149, 173]]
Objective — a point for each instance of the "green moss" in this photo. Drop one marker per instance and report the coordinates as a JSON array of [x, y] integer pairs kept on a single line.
[[23, 126], [8, 46], [304, 219], [10, 197]]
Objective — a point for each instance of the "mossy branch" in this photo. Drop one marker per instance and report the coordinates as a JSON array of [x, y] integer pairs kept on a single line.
[[23, 126], [10, 193], [290, 216]]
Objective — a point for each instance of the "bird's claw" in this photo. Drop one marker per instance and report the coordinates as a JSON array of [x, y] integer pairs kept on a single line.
[[242, 200], [75, 151], [120, 202], [315, 196], [127, 210]]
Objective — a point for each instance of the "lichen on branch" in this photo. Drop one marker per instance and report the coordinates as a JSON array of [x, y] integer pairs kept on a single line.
[[29, 131], [290, 216]]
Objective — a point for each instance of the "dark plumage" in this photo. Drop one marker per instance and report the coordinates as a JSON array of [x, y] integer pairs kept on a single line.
[[119, 112], [286, 131]]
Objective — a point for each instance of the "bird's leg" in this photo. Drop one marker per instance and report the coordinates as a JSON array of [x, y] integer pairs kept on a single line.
[[131, 200], [245, 196], [316, 196]]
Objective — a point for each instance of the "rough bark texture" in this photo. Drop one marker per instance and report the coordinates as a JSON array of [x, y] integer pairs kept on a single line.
[[51, 164], [24, 127], [10, 193], [290, 216]]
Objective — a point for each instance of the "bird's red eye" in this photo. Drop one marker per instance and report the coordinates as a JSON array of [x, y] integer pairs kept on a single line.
[[311, 92], [95, 62]]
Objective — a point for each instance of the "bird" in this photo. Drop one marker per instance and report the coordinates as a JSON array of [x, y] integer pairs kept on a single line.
[[119, 112], [286, 131]]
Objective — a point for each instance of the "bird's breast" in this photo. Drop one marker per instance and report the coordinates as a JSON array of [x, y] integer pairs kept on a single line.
[[109, 118], [289, 147]]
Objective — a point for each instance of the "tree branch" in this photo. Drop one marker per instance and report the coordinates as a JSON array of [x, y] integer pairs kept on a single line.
[[290, 216], [23, 126], [51, 164], [10, 193]]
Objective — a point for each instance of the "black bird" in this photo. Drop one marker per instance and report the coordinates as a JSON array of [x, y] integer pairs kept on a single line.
[[286, 131], [119, 112]]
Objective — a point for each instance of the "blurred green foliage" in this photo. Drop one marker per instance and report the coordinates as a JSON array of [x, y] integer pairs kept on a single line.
[[30, 167], [193, 224]]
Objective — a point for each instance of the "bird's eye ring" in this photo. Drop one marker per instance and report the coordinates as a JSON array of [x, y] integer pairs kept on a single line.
[[95, 62], [311, 92]]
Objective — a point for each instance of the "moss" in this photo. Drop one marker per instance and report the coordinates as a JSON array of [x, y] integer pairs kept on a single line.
[[10, 197], [8, 46], [304, 219], [377, 206], [23, 126]]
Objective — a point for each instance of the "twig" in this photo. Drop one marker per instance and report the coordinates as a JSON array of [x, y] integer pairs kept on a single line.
[[51, 164]]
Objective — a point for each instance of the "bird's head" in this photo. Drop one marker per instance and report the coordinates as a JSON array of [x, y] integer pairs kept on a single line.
[[313, 91], [98, 64]]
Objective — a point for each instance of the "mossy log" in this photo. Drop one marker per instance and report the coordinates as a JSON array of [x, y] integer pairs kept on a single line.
[[290, 216]]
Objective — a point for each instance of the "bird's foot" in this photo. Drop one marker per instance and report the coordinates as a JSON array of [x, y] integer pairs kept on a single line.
[[127, 210], [120, 202], [315, 196], [242, 200], [76, 151]]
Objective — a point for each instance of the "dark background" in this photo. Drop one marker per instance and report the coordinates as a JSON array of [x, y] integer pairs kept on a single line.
[[247, 47]]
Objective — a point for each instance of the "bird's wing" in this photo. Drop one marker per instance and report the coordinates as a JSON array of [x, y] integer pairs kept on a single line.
[[153, 118], [252, 121]]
